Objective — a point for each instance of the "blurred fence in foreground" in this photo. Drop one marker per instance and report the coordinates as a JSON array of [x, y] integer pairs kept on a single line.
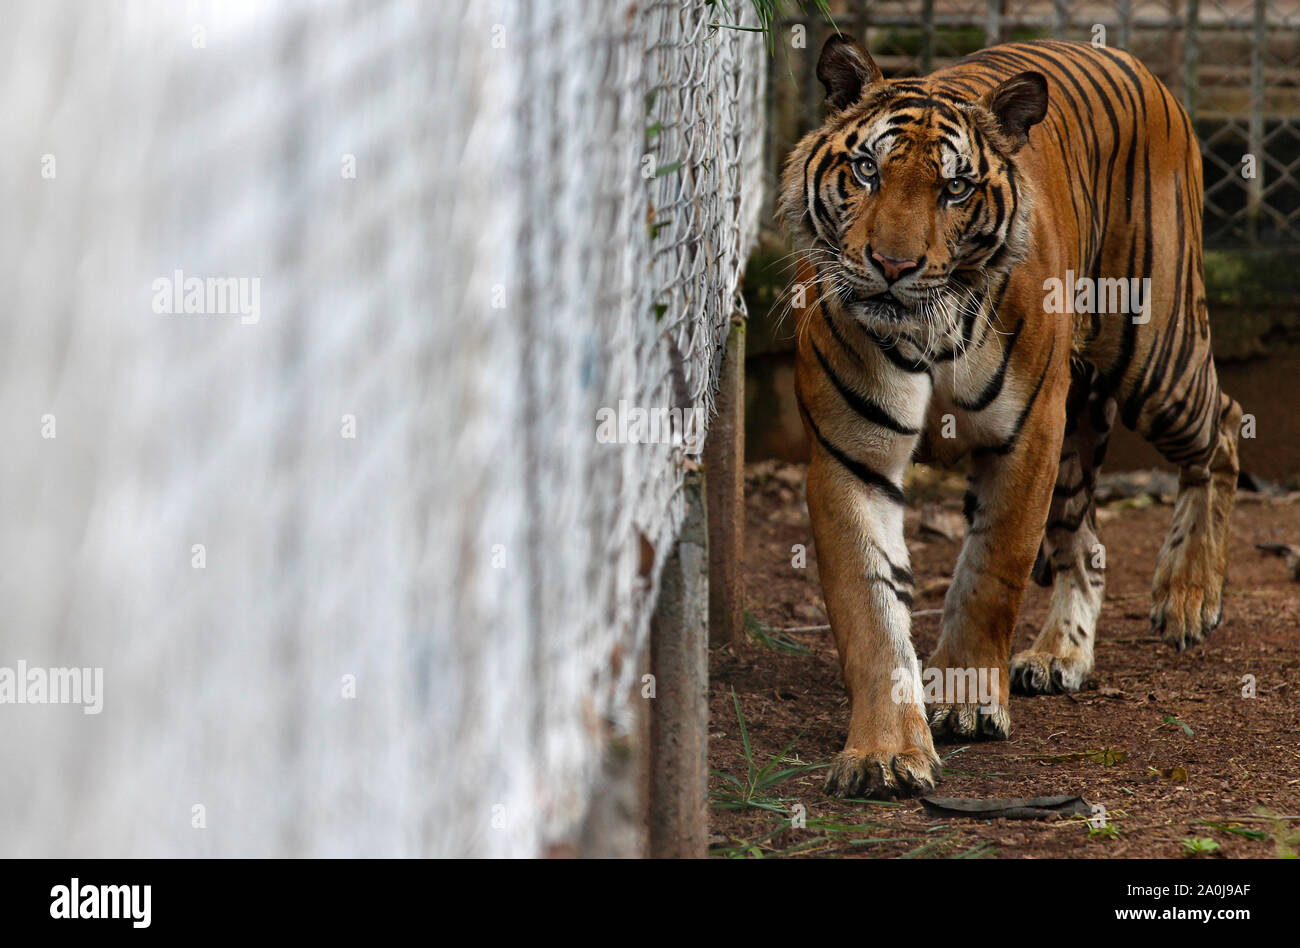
[[444, 237]]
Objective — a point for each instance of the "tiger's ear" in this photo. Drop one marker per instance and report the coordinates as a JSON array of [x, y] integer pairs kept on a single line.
[[1018, 104], [846, 70]]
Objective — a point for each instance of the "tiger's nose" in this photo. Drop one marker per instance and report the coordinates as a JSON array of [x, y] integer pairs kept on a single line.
[[893, 268]]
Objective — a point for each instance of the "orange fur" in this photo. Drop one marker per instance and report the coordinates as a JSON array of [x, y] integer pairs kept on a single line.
[[933, 215]]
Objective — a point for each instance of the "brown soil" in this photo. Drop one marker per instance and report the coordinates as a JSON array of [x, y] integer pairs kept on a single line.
[[1123, 744]]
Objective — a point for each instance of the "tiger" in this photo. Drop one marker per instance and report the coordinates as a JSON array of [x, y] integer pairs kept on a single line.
[[933, 219]]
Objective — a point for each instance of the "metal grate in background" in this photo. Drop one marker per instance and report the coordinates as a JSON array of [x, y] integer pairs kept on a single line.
[[1234, 63]]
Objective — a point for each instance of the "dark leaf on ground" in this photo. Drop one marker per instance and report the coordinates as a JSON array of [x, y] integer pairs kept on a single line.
[[1011, 808]]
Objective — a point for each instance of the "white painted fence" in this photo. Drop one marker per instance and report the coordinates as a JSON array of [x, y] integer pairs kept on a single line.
[[378, 469]]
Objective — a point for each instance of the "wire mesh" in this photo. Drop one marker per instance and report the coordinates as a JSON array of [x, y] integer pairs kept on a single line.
[[359, 574]]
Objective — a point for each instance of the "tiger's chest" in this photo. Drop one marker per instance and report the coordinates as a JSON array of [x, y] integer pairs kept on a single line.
[[974, 402]]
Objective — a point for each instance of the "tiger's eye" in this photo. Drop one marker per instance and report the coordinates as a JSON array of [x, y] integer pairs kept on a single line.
[[957, 188], [865, 170]]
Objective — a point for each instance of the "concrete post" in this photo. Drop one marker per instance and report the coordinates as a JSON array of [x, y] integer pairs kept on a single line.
[[679, 712], [724, 462]]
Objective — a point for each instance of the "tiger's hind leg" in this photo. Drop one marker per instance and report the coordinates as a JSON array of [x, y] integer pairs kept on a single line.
[[1192, 566], [1194, 425], [1061, 658]]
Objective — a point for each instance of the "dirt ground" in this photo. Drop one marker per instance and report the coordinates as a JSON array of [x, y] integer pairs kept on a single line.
[[1183, 764]]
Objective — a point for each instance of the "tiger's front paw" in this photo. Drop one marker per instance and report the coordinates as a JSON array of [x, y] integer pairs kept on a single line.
[[888, 754], [883, 774], [966, 698]]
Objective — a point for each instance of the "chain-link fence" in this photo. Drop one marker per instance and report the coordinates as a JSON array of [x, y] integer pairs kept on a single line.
[[315, 311], [1234, 63]]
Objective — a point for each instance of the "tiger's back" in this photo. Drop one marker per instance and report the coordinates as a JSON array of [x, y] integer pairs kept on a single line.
[[1119, 170]]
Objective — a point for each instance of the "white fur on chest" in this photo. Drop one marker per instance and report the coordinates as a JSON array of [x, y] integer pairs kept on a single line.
[[952, 431]]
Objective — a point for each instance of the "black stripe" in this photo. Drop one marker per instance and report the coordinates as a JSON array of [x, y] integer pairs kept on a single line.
[[865, 474], [1006, 446], [860, 403], [993, 387], [838, 336], [891, 353]]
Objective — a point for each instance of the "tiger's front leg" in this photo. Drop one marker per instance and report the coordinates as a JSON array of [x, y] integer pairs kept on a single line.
[[868, 588], [863, 418], [967, 678]]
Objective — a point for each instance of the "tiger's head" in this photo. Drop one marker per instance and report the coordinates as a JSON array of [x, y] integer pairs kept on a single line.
[[907, 201]]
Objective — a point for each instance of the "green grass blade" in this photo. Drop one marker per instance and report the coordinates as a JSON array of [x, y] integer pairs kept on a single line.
[[744, 734]]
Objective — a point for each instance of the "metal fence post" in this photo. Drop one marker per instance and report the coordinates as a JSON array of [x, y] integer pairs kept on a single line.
[[813, 93], [860, 20], [993, 23], [1191, 58], [927, 37], [1255, 141], [1060, 19]]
